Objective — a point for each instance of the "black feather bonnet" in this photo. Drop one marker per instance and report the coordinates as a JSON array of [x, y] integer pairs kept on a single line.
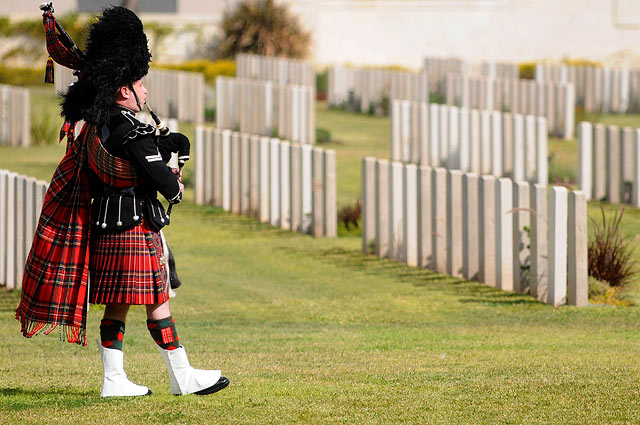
[[116, 55]]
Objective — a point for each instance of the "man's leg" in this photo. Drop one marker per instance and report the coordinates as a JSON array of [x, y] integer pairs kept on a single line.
[[112, 325], [116, 311], [162, 327], [115, 382], [183, 378]]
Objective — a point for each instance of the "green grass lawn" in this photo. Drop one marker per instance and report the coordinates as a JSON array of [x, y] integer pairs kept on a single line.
[[354, 136], [312, 331]]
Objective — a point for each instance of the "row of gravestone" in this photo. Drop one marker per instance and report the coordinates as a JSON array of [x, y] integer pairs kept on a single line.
[[609, 163], [367, 90], [515, 236], [172, 94], [288, 185], [266, 108], [438, 68], [598, 89], [279, 70], [483, 142], [554, 101], [15, 116], [21, 200]]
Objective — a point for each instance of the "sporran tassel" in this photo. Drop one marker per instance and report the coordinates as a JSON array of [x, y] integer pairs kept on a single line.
[[48, 74]]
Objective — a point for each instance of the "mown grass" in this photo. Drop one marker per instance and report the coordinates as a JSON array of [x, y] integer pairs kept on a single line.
[[311, 331]]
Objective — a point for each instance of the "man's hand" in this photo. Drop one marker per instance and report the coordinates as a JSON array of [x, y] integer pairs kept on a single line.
[[177, 171]]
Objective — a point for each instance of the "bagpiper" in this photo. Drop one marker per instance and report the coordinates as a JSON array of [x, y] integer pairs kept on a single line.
[[99, 238]]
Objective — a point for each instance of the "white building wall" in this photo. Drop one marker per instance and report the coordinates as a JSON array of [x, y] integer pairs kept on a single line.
[[404, 31]]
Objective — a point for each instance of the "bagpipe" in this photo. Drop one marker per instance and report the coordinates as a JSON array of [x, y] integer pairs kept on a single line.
[[182, 147]]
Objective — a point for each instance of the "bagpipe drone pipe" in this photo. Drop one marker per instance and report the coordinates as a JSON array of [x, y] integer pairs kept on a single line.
[[169, 143]]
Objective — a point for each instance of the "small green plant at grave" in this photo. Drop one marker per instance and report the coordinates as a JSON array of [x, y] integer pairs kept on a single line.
[[353, 103], [610, 253], [385, 105], [627, 191], [323, 135], [348, 219], [525, 269], [236, 128], [371, 246], [504, 109], [210, 114], [275, 132], [372, 109], [322, 82], [436, 98]]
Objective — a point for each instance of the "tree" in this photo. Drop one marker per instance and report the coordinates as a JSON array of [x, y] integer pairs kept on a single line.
[[262, 27]]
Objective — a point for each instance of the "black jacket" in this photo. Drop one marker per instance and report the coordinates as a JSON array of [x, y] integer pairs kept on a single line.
[[116, 209]]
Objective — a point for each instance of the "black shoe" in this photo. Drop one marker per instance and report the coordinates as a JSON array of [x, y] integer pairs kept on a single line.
[[222, 383]]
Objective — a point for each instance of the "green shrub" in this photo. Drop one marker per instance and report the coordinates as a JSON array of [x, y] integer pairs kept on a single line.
[[610, 254], [322, 135], [527, 70], [21, 76], [210, 69]]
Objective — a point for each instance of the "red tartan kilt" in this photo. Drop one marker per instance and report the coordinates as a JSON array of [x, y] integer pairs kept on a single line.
[[127, 267]]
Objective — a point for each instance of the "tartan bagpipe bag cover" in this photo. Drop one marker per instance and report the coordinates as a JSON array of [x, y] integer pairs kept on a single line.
[[54, 284]]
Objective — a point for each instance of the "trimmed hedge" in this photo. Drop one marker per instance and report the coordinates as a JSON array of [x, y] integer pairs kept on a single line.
[[21, 76], [210, 69]]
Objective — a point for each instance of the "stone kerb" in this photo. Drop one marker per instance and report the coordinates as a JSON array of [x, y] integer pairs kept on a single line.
[[554, 101], [21, 200], [291, 186], [266, 108], [15, 118], [482, 142], [609, 163], [475, 228]]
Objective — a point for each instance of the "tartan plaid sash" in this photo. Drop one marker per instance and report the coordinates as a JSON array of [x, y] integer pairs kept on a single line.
[[54, 285], [111, 170]]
